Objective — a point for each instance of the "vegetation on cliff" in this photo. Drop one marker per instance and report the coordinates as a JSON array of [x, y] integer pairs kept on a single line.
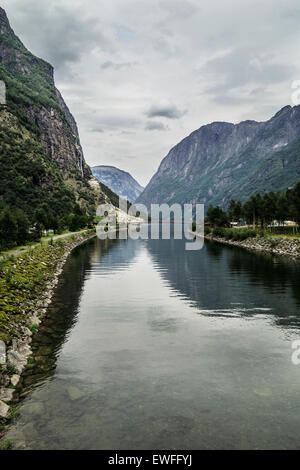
[[45, 183], [33, 196]]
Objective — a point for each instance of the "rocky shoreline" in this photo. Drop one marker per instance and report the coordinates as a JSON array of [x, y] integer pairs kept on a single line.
[[14, 360], [277, 246]]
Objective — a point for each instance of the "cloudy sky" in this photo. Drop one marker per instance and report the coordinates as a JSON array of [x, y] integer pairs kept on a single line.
[[140, 75]]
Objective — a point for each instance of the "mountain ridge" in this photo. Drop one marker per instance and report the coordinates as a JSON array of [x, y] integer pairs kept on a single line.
[[119, 181], [214, 162]]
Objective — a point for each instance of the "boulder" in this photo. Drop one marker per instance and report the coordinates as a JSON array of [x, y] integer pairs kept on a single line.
[[4, 409], [17, 360], [2, 353], [15, 380], [6, 394]]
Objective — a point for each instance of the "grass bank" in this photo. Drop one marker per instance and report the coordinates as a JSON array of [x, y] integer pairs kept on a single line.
[[20, 250], [27, 283], [23, 279]]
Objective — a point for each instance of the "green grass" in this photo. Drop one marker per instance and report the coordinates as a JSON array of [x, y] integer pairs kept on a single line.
[[10, 255], [243, 233], [288, 237], [34, 329], [7, 445], [22, 282]]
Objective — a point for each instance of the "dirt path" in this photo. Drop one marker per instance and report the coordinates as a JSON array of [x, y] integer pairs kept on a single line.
[[22, 249]]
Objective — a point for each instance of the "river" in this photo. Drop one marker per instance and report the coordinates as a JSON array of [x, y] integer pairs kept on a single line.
[[149, 346]]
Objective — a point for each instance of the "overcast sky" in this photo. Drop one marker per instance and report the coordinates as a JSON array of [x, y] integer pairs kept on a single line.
[[140, 75]]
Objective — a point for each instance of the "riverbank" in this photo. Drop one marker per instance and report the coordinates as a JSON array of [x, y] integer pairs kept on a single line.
[[288, 247], [27, 283], [20, 250]]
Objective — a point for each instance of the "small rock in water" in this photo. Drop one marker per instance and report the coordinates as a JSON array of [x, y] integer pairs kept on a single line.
[[75, 393], [34, 408]]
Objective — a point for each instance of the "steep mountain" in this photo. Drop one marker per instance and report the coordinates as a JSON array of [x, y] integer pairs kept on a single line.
[[119, 181], [221, 161], [41, 159]]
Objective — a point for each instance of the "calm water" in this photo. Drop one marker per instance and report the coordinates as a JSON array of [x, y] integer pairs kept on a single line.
[[148, 346]]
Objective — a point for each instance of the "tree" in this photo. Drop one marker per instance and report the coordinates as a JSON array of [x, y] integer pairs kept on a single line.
[[282, 208], [235, 212], [76, 222], [216, 216], [23, 227], [8, 228], [293, 198], [252, 209], [268, 208], [41, 216]]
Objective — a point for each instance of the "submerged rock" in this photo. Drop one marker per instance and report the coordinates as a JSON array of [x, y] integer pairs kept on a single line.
[[35, 408], [75, 393]]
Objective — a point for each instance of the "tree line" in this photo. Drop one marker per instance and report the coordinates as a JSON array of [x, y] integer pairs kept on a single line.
[[259, 210], [16, 228]]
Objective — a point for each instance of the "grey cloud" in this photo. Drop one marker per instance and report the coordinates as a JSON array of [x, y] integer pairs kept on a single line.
[[177, 9], [156, 126], [97, 130], [117, 123], [117, 66], [249, 96], [127, 157], [168, 111], [60, 35], [165, 46], [244, 67]]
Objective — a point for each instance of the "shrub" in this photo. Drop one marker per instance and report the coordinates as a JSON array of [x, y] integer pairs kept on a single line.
[[10, 370], [219, 232], [6, 445], [34, 329], [229, 234]]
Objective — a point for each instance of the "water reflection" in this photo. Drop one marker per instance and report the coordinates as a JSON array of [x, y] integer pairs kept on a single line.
[[149, 346], [211, 280], [63, 312]]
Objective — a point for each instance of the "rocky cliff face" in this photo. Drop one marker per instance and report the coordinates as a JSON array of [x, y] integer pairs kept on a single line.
[[221, 161], [119, 181], [43, 116]]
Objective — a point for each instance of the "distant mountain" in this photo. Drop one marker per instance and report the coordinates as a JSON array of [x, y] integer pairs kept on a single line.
[[41, 159], [119, 181], [223, 161]]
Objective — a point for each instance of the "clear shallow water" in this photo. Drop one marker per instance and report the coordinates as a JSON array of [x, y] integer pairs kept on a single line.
[[148, 346]]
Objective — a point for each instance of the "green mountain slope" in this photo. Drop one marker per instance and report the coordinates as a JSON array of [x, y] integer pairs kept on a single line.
[[41, 159]]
